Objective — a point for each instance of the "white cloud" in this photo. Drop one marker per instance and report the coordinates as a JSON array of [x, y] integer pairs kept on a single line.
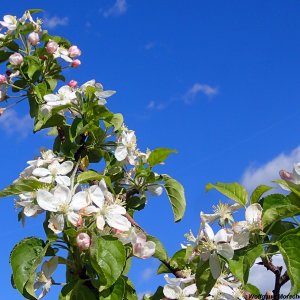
[[55, 21], [118, 9], [199, 88], [153, 105], [147, 273], [264, 279], [254, 176], [12, 124]]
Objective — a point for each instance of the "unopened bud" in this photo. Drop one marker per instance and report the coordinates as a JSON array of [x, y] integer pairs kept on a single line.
[[73, 83], [74, 51], [2, 111], [76, 63], [51, 47], [83, 241], [33, 38], [285, 175], [16, 59], [3, 79]]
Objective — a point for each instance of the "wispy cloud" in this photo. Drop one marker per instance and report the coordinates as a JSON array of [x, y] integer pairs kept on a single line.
[[13, 124], [264, 174], [265, 280], [197, 89], [52, 22], [118, 9], [147, 274]]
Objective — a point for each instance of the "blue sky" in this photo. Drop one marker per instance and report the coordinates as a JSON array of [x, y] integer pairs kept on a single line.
[[216, 80]]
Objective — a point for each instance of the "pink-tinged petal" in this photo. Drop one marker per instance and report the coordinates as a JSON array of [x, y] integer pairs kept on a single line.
[[46, 201], [121, 153], [214, 264], [90, 210], [171, 291], [40, 172], [118, 222], [145, 250], [100, 222], [73, 218], [65, 168], [225, 250], [63, 180], [63, 193], [79, 200], [56, 223], [96, 196]]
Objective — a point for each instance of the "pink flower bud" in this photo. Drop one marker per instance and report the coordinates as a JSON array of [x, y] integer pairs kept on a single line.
[[83, 241], [73, 83], [33, 38], [16, 59], [76, 63], [51, 47], [74, 51], [3, 79], [285, 175], [2, 110], [117, 231]]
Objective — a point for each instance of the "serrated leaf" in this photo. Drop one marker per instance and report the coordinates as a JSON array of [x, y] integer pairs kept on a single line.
[[290, 249], [159, 155], [22, 186], [25, 258], [108, 258], [277, 207], [77, 291], [234, 191], [160, 251], [116, 292], [175, 192], [243, 260], [258, 192], [204, 279], [88, 176]]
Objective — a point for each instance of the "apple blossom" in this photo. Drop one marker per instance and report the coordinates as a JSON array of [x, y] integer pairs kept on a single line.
[[55, 172], [51, 47], [16, 59], [3, 79], [62, 53], [83, 241], [74, 51], [26, 201], [33, 38], [43, 279], [141, 247], [73, 84], [10, 22], [75, 63]]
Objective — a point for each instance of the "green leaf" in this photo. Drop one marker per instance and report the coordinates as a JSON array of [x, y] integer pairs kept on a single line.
[[53, 120], [4, 55], [22, 186], [290, 249], [253, 290], [234, 191], [88, 176], [159, 155], [116, 292], [177, 261], [204, 279], [243, 260], [108, 258], [25, 258], [175, 192], [117, 121], [277, 207], [158, 295], [33, 65], [160, 251], [77, 291], [258, 192], [295, 188], [18, 85], [35, 10]]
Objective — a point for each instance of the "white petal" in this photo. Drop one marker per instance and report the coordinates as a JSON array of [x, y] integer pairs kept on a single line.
[[209, 233], [104, 94], [65, 168], [225, 250], [144, 250], [73, 218], [221, 236], [50, 266], [116, 209], [208, 218], [253, 213], [47, 179], [155, 190], [171, 291], [51, 98], [190, 290], [240, 240], [214, 264], [121, 153], [46, 201], [30, 210], [57, 223], [118, 222], [40, 172], [172, 281], [100, 222], [96, 196], [297, 168], [79, 200], [62, 193], [63, 180]]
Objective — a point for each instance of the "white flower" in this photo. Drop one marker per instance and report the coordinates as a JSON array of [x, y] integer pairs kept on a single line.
[[62, 53], [43, 279], [55, 172], [127, 146], [62, 201], [26, 202], [242, 229], [142, 248], [155, 189], [10, 22], [210, 245], [106, 212], [65, 95]]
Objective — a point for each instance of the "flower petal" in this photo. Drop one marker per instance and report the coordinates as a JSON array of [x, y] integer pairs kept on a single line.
[[121, 153], [40, 172], [118, 222], [46, 201], [65, 168], [79, 200], [171, 291]]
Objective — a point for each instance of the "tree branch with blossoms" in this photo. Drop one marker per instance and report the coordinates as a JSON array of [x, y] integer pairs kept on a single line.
[[90, 214]]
